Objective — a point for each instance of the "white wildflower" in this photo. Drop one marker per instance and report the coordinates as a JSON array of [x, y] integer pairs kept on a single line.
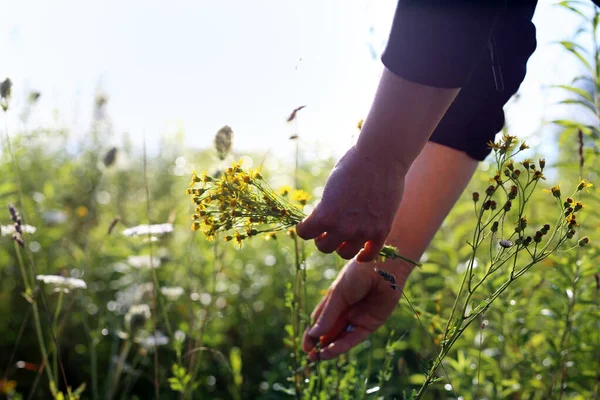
[[61, 283], [144, 261], [54, 217], [7, 230], [179, 335], [152, 340], [155, 230], [131, 294], [136, 317], [172, 293]]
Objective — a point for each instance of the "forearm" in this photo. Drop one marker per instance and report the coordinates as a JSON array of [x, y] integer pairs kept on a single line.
[[401, 120], [433, 185]]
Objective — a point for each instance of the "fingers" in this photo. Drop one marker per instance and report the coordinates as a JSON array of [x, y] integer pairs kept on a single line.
[[331, 311], [328, 242], [350, 248], [309, 342], [371, 250], [311, 227], [347, 240], [342, 344]]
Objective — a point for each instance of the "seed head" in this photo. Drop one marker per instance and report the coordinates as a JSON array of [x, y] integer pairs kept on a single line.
[[475, 197], [542, 162], [33, 97], [224, 141], [583, 241], [513, 192], [568, 202], [494, 227], [5, 93], [110, 157], [387, 276], [506, 243]]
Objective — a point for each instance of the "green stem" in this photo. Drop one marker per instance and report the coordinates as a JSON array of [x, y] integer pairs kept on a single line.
[[36, 315], [54, 326], [122, 356]]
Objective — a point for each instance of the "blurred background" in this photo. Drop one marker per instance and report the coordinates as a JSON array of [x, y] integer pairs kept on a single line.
[[114, 104], [192, 67]]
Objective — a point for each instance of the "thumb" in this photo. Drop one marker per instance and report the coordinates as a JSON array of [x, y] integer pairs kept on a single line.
[[335, 307], [310, 227]]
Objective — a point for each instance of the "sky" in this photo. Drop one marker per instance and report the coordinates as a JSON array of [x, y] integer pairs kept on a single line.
[[194, 66]]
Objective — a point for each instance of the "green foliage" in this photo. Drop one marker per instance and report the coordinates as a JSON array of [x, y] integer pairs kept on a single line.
[[229, 321]]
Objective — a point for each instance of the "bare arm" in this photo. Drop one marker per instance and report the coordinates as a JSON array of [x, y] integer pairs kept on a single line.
[[359, 296], [365, 188]]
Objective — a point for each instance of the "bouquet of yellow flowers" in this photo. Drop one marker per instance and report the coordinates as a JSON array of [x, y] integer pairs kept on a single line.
[[241, 204]]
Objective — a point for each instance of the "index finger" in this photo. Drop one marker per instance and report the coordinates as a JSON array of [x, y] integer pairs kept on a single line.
[[343, 343]]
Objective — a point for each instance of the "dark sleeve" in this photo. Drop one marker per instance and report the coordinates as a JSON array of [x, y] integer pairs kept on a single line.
[[439, 43], [477, 115]]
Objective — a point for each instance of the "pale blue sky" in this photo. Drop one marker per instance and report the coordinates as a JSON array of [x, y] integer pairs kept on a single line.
[[202, 64]]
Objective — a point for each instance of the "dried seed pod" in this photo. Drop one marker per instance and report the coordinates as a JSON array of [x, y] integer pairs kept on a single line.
[[224, 141], [506, 243], [110, 157]]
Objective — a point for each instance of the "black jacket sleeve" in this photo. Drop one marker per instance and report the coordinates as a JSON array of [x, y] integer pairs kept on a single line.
[[439, 43]]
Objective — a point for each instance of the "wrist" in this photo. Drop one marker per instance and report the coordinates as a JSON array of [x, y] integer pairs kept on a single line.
[[381, 158]]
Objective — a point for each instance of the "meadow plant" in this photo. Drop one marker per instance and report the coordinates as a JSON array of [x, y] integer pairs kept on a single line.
[[504, 237]]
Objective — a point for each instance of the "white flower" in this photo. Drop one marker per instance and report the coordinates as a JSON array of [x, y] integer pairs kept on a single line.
[[61, 283], [139, 309], [7, 230], [143, 261], [137, 316], [152, 340], [172, 293], [156, 230], [54, 217], [179, 335]]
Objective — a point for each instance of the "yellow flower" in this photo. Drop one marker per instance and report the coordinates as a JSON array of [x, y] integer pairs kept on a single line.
[[285, 190], [195, 178], [271, 236], [81, 211], [583, 185], [523, 146], [555, 190], [7, 387], [493, 145], [301, 196], [255, 174]]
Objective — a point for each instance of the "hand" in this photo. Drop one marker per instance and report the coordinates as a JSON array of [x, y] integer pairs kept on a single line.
[[358, 296], [360, 199]]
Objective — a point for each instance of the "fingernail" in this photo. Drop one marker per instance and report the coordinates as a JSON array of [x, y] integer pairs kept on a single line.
[[313, 331]]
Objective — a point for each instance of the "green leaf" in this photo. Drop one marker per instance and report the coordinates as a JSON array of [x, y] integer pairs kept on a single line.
[[577, 51], [583, 93], [569, 6], [583, 103]]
